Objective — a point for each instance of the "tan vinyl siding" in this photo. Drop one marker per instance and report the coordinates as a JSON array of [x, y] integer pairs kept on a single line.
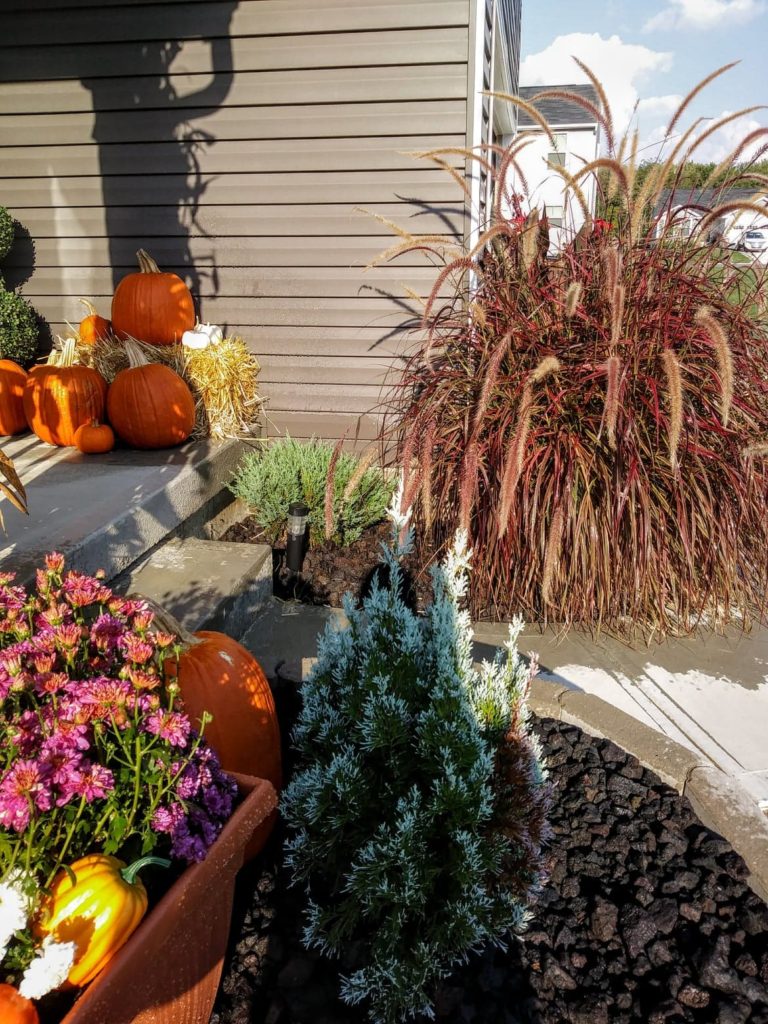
[[116, 134]]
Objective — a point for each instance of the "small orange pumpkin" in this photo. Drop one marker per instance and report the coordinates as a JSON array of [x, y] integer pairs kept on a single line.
[[14, 1008], [59, 397], [93, 327], [148, 404], [12, 380], [152, 306], [94, 438]]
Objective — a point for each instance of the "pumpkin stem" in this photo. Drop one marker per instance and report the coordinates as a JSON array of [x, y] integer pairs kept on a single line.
[[129, 874], [146, 264], [135, 353], [167, 622], [90, 308], [65, 356]]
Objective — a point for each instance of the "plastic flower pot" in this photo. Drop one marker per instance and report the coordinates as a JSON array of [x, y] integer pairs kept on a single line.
[[168, 971]]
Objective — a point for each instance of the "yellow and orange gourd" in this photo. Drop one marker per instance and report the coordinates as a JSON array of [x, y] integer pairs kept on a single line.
[[97, 903]]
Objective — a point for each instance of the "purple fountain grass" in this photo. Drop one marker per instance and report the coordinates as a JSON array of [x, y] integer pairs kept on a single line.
[[598, 419]]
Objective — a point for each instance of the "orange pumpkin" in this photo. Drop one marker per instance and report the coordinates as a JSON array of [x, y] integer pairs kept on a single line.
[[152, 306], [93, 327], [15, 1009], [12, 381], [59, 397], [94, 438], [148, 404], [218, 675]]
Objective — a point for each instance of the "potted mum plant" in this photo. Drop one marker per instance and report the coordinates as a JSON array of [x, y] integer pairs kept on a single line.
[[104, 780]]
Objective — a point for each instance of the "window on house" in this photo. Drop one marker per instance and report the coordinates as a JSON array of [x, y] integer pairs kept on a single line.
[[557, 156], [554, 216]]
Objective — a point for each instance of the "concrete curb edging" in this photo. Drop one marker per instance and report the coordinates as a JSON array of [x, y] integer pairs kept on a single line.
[[719, 801]]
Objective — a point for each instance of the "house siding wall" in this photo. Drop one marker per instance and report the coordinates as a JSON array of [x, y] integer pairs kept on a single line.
[[236, 142]]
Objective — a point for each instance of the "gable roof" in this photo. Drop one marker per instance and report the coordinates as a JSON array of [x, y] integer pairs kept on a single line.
[[557, 112], [707, 199]]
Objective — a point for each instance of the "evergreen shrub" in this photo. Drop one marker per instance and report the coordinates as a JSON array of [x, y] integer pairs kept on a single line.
[[7, 232], [418, 807], [18, 328]]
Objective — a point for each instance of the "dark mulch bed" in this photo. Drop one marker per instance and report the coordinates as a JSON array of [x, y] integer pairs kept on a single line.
[[646, 917], [330, 571]]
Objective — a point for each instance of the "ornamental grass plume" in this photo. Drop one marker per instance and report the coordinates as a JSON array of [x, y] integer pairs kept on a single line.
[[610, 394], [417, 811]]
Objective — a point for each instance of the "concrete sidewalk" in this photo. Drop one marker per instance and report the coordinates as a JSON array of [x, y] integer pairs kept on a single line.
[[709, 694]]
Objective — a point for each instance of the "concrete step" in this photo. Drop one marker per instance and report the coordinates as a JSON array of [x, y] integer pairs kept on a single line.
[[205, 584], [108, 511], [284, 633]]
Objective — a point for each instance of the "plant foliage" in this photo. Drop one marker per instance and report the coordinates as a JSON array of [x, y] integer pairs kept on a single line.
[[418, 805], [597, 418], [289, 470], [18, 328], [7, 232]]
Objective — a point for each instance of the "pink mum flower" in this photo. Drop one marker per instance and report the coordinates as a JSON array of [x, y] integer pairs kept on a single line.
[[24, 787], [136, 649], [170, 726]]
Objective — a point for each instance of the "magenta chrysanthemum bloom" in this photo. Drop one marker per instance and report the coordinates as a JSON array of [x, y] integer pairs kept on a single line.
[[140, 679], [54, 562], [143, 619], [136, 649], [92, 781], [23, 787], [164, 640], [188, 783], [106, 632], [27, 735], [101, 698], [168, 818], [171, 726]]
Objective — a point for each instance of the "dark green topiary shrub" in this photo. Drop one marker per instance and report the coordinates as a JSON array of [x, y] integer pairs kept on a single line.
[[418, 807], [18, 328], [7, 232]]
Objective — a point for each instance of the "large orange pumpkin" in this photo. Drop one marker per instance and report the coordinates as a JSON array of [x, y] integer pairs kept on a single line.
[[93, 327], [150, 406], [12, 381], [152, 306], [218, 675], [59, 397]]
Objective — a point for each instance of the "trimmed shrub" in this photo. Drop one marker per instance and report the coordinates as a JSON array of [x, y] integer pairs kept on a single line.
[[7, 232], [18, 328], [290, 470], [597, 416], [418, 806]]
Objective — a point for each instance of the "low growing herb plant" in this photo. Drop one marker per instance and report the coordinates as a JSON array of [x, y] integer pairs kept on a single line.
[[96, 752], [313, 471], [418, 806]]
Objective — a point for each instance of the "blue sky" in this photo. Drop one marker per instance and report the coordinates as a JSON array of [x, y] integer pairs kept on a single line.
[[655, 51]]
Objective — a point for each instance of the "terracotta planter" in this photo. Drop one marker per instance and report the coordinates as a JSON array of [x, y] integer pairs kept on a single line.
[[168, 971]]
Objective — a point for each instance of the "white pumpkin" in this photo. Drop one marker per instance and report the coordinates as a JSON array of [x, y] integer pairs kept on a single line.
[[195, 339], [213, 331]]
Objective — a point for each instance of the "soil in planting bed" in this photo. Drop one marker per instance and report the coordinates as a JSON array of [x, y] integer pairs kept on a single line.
[[329, 571], [646, 916]]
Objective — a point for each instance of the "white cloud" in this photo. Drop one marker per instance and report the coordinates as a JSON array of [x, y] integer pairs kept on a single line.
[[704, 14], [620, 67], [723, 142]]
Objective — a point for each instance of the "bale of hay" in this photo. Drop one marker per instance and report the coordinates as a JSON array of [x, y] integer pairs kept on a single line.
[[223, 379]]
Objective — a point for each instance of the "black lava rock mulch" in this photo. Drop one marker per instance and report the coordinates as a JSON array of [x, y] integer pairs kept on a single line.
[[646, 917]]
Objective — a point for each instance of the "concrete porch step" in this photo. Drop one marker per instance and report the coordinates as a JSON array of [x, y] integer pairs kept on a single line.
[[108, 511], [205, 584]]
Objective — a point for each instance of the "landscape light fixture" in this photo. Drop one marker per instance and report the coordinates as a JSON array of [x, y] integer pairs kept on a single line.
[[298, 515]]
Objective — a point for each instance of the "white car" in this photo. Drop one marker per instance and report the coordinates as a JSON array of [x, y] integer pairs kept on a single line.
[[754, 240]]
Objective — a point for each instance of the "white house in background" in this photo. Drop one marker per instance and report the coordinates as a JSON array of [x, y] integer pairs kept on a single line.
[[576, 143], [680, 210]]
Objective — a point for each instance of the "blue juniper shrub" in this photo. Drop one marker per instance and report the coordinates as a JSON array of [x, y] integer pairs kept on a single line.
[[417, 810]]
